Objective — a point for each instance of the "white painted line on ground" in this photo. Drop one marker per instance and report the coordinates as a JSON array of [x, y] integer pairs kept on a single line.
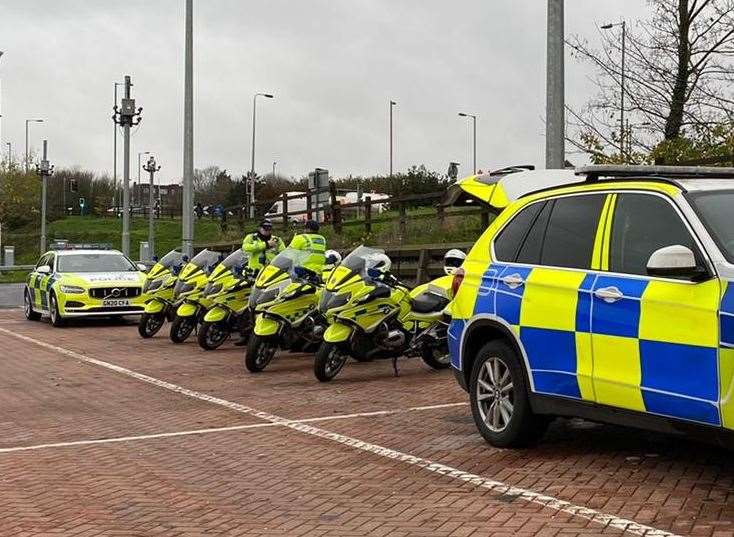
[[497, 487], [138, 437], [152, 436]]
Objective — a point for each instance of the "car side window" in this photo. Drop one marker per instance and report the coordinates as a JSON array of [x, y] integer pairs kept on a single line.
[[532, 247], [508, 242], [571, 231], [642, 224], [50, 261], [43, 260]]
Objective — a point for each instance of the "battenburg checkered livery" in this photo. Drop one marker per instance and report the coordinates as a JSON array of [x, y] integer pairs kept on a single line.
[[609, 299]]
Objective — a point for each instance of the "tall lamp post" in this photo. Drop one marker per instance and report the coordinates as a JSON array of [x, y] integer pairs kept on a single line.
[[27, 121], [275, 162], [45, 170], [1, 107], [151, 167], [392, 104], [474, 138], [622, 126], [252, 163]]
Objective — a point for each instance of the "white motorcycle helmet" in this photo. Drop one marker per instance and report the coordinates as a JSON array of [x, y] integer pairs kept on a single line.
[[332, 258], [378, 264], [453, 260]]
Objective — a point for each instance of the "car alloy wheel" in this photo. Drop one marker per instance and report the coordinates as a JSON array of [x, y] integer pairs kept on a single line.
[[495, 394]]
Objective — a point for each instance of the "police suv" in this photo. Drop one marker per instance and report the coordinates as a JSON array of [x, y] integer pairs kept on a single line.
[[609, 297]]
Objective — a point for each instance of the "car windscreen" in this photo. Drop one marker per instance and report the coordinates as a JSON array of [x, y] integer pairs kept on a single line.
[[94, 263], [714, 207]]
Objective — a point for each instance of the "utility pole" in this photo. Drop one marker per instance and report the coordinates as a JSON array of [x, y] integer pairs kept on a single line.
[[45, 170], [27, 121], [274, 163], [137, 189], [392, 103], [126, 116], [10, 154], [187, 200], [555, 100], [252, 163], [115, 190], [474, 142], [151, 167]]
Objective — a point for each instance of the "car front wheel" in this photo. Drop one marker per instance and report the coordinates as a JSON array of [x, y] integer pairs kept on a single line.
[[53, 307], [499, 398]]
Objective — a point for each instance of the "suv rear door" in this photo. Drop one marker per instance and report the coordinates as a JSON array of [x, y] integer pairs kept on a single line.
[[654, 339], [542, 288]]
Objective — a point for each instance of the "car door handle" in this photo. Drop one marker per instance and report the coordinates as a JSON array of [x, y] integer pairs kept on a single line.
[[513, 281], [608, 294]]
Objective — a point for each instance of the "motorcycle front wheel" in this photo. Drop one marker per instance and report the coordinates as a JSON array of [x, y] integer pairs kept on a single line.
[[260, 352], [150, 324], [181, 328], [212, 335], [328, 362]]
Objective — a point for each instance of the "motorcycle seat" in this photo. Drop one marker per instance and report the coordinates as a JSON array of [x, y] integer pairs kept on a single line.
[[428, 303]]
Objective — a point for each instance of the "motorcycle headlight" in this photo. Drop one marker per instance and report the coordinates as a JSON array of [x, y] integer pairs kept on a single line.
[[268, 296], [330, 300], [71, 289], [152, 285], [212, 289]]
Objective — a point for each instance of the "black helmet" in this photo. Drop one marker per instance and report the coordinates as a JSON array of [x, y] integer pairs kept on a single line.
[[266, 224], [311, 225]]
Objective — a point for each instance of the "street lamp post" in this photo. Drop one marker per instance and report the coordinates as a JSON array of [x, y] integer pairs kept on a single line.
[[1, 107], [252, 163], [139, 184], [45, 170], [26, 139], [622, 126], [392, 104], [474, 138], [10, 154]]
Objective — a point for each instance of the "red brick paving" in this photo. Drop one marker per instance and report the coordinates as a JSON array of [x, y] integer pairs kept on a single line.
[[278, 482]]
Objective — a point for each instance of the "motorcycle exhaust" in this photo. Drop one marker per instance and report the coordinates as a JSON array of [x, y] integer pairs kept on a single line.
[[393, 339]]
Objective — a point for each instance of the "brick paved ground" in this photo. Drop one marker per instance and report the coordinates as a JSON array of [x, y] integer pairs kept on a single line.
[[260, 479]]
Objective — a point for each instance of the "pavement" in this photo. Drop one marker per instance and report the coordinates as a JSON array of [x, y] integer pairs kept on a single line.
[[108, 434], [11, 295]]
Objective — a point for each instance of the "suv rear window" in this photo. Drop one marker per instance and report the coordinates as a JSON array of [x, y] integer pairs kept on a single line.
[[569, 238], [508, 242]]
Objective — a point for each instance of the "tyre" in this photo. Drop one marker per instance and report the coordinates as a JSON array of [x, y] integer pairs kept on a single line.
[[260, 352], [212, 335], [181, 328], [53, 307], [28, 307], [436, 356], [150, 324], [499, 398], [330, 359]]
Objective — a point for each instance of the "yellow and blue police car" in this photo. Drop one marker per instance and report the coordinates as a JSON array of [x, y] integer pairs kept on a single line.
[[83, 281], [607, 295]]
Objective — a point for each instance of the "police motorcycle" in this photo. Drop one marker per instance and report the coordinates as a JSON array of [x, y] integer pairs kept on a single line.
[[158, 290], [289, 319], [372, 315], [188, 293], [228, 288]]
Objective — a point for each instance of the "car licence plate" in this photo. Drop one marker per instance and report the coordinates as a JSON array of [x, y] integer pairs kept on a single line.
[[115, 302]]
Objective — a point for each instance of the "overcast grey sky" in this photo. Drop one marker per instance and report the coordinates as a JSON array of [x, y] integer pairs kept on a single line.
[[332, 64]]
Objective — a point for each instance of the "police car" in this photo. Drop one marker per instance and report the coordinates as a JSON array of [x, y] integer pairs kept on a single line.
[[83, 281], [609, 297]]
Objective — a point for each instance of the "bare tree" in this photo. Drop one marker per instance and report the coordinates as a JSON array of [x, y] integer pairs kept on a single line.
[[678, 76]]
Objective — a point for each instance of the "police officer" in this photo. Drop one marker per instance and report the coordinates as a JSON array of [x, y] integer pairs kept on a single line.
[[262, 246], [312, 242]]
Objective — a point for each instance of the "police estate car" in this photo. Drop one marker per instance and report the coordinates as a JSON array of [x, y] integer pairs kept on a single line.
[[609, 299], [80, 282]]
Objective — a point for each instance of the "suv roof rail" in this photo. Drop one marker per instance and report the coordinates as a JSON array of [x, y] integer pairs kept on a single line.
[[612, 171]]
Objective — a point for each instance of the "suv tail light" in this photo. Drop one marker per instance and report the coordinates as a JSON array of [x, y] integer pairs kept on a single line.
[[458, 278]]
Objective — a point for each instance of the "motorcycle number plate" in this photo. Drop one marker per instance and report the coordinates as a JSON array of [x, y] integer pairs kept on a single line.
[[115, 302]]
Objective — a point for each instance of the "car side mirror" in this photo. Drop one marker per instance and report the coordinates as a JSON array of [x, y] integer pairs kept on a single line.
[[44, 269], [142, 267], [675, 261]]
